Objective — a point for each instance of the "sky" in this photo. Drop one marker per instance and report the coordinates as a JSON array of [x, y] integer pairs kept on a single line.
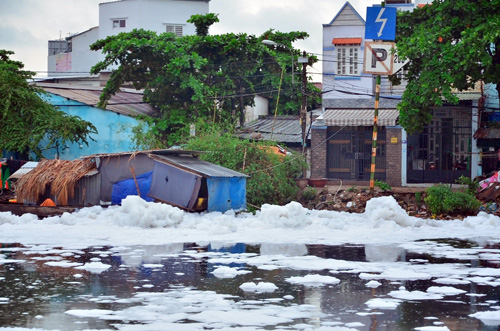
[[27, 25], [144, 235]]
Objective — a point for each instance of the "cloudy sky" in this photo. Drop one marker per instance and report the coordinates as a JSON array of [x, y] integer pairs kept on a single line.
[[27, 25]]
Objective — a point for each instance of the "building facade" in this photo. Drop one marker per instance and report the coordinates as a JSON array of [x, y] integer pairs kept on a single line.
[[342, 135], [72, 56]]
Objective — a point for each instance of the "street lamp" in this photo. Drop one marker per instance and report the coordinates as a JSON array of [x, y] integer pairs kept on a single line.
[[273, 43]]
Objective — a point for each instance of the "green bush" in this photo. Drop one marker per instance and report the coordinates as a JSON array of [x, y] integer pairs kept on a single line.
[[382, 185], [309, 193], [272, 176], [461, 201], [472, 185], [418, 198], [441, 199]]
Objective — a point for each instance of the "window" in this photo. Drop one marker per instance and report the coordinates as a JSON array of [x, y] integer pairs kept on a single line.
[[118, 23], [175, 29], [347, 60]]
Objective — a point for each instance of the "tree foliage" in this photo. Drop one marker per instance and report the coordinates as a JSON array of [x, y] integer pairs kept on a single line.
[[208, 77], [271, 176], [27, 118], [203, 23], [451, 45]]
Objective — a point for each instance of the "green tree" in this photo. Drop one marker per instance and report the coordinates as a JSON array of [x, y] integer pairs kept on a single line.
[[450, 44], [203, 23], [27, 118], [208, 77]]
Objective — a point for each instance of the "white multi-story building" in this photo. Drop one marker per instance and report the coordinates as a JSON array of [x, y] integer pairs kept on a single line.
[[72, 56]]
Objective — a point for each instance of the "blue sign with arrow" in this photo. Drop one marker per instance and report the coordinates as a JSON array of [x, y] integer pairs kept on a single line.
[[380, 23]]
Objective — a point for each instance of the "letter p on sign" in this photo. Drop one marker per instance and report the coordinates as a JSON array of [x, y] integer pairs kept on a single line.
[[379, 58]]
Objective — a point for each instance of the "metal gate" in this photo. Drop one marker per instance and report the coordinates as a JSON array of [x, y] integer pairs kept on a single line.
[[441, 153], [349, 153]]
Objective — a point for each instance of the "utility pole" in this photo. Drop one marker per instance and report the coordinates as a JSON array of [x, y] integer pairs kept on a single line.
[[303, 110], [381, 25]]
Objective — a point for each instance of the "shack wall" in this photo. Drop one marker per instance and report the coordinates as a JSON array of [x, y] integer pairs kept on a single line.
[[116, 168], [225, 193]]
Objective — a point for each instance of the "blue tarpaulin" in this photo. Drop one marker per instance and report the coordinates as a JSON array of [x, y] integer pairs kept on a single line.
[[225, 193], [127, 187]]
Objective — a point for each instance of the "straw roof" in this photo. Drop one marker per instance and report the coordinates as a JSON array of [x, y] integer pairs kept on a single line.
[[57, 175]]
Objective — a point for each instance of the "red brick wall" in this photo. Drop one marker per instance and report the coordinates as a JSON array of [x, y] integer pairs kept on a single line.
[[393, 157], [318, 152]]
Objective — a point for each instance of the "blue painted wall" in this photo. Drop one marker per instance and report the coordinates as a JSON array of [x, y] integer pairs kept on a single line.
[[114, 130]]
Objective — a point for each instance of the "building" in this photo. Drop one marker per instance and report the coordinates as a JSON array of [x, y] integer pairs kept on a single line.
[[342, 135], [114, 124], [72, 56]]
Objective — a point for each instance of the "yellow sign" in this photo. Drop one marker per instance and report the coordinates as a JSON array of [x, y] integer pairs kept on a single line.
[[394, 140]]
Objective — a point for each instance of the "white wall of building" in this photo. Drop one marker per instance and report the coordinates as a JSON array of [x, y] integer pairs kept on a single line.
[[261, 108], [152, 15], [79, 60], [346, 25]]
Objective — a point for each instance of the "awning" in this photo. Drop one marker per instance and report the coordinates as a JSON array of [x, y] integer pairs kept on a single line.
[[359, 117], [346, 41], [487, 133]]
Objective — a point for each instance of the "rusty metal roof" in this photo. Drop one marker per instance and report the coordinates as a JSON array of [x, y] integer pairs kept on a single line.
[[286, 129], [126, 102], [487, 133]]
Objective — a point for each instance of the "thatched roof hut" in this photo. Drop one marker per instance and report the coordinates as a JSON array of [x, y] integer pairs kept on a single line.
[[56, 178]]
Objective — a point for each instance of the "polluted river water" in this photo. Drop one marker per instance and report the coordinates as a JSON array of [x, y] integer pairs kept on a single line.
[[135, 267]]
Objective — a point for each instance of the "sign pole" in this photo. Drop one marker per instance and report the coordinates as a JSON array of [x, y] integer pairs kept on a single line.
[[380, 25], [375, 133]]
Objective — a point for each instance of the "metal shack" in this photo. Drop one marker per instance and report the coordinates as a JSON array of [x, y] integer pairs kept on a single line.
[[184, 180]]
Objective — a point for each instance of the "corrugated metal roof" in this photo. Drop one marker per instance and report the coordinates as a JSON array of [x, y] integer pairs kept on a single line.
[[126, 102], [346, 41], [359, 117], [286, 129], [196, 165], [467, 95], [26, 168], [487, 133]]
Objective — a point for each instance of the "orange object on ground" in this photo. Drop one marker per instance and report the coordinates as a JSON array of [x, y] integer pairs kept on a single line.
[[48, 203]]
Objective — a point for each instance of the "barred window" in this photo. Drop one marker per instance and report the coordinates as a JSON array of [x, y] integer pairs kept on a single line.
[[119, 23], [347, 60], [175, 29]]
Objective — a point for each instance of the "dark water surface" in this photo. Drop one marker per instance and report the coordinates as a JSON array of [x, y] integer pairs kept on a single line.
[[36, 294]]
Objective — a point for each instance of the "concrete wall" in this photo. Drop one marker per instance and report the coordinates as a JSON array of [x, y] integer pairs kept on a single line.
[[261, 108], [151, 15], [79, 61], [114, 130]]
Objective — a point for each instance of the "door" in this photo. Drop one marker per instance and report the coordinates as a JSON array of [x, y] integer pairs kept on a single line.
[[441, 153], [349, 153]]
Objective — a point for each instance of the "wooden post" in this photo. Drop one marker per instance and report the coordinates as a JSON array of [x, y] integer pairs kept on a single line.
[[132, 170]]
